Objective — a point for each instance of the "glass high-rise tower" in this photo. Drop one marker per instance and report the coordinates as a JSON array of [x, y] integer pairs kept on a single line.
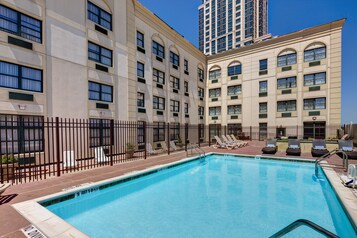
[[228, 24]]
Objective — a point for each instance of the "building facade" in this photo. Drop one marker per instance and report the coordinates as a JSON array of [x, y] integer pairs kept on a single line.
[[291, 82], [99, 61], [229, 24]]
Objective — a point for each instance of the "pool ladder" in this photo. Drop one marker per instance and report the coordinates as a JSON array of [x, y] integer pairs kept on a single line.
[[197, 149], [328, 155], [303, 222]]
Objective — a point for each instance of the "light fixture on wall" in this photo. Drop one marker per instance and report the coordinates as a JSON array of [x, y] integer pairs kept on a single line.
[[22, 107]]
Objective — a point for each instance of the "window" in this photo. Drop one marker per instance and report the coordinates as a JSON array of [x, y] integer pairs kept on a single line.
[[140, 133], [174, 59], [263, 64], [99, 132], [234, 109], [263, 131], [286, 60], [159, 103], [159, 131], [234, 90], [214, 74], [315, 130], [158, 49], [234, 70], [315, 104], [216, 92], [215, 111], [287, 106], [21, 134], [140, 70], [201, 111], [185, 108], [263, 107], [158, 76], [141, 100], [235, 129], [263, 86], [201, 92], [20, 24], [174, 131], [201, 74], [175, 82], [99, 54], [287, 83], [174, 106], [314, 79], [140, 39], [99, 16], [100, 92], [185, 65], [20, 77], [185, 86], [315, 54]]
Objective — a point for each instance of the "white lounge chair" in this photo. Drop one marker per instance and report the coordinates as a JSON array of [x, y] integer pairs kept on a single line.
[[231, 142], [3, 187], [150, 150], [68, 159], [174, 146], [100, 155], [239, 142], [235, 139], [164, 146], [220, 144]]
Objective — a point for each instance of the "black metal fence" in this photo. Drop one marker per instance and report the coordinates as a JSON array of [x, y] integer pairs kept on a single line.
[[34, 148]]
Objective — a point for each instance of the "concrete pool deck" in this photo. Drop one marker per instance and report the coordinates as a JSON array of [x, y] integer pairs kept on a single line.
[[11, 221]]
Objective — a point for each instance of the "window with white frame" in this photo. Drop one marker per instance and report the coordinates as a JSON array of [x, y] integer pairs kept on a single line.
[[215, 92], [315, 54], [285, 83], [215, 111], [234, 90], [234, 109], [314, 79], [286, 59], [214, 74], [314, 103], [286, 106]]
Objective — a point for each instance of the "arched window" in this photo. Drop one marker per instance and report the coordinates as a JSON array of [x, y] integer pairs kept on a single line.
[[315, 51], [287, 57], [214, 73], [235, 68]]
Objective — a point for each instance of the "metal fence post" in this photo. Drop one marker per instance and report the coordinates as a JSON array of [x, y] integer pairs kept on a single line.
[[144, 126], [209, 135], [186, 135], [250, 132], [168, 138], [199, 135], [111, 141], [58, 160]]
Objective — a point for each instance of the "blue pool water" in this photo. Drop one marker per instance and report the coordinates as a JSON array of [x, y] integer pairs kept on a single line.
[[219, 196]]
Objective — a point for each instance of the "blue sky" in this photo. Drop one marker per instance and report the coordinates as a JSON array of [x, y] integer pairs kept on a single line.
[[285, 16]]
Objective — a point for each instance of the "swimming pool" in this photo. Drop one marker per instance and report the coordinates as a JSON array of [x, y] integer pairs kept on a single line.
[[218, 196]]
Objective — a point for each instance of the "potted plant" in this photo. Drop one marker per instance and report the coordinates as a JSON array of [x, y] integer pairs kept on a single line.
[[130, 149], [9, 163]]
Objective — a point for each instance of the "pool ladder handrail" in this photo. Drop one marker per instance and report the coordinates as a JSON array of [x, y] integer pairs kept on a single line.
[[303, 222], [328, 155], [198, 149]]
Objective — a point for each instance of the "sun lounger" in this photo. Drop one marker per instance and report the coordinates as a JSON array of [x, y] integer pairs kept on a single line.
[[271, 147], [68, 159], [174, 146], [164, 146], [293, 147], [235, 139], [239, 142], [3, 187], [347, 147], [150, 150], [318, 148], [100, 156], [220, 144], [230, 142]]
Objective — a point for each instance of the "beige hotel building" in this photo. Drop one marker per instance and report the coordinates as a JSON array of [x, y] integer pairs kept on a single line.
[[114, 59]]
